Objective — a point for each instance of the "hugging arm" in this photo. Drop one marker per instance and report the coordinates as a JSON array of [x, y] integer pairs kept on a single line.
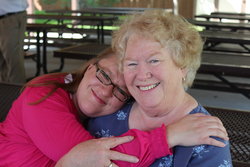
[[147, 146], [55, 131]]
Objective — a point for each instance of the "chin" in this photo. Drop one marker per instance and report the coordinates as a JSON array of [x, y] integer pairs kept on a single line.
[[148, 103]]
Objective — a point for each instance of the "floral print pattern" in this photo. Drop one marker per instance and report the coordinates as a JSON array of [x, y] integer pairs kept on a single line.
[[199, 156]]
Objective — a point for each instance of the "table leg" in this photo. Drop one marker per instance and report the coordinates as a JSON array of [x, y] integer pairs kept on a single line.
[[102, 31], [45, 70], [38, 52]]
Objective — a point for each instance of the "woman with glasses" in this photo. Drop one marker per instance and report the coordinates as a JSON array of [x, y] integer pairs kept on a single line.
[[45, 123]]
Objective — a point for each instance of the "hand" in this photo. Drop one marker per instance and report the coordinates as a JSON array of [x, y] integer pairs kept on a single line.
[[96, 152], [196, 129]]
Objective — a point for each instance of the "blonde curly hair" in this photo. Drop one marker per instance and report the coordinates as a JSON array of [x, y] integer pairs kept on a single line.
[[171, 31]]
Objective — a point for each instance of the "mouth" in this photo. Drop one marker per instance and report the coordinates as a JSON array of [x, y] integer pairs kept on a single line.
[[98, 99], [145, 88]]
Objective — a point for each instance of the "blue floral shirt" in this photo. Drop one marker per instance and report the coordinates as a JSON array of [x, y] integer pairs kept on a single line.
[[197, 156]]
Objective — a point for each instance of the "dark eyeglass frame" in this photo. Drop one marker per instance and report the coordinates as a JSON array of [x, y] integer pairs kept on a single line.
[[126, 96]]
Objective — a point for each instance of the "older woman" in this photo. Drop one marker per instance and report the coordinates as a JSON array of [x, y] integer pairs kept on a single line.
[[160, 54]]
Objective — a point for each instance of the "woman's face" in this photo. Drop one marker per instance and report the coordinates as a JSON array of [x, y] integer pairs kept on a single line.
[[150, 74], [96, 99]]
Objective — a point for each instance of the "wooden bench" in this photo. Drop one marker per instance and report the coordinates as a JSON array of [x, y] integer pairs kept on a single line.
[[83, 51], [237, 124], [237, 39], [222, 17], [223, 65], [230, 13], [113, 11], [8, 93]]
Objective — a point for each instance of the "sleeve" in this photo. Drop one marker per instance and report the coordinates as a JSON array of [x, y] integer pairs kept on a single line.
[[205, 155], [147, 146], [54, 130], [52, 124]]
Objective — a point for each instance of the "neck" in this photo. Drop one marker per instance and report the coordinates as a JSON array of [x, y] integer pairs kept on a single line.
[[79, 112], [147, 119]]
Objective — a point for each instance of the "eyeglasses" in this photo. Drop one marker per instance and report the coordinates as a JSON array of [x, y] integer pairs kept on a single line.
[[105, 80]]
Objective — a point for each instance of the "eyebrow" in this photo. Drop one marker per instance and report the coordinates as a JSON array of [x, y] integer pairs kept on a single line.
[[106, 70], [124, 87], [152, 54]]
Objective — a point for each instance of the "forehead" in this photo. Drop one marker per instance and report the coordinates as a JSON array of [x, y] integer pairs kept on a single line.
[[110, 66], [109, 63], [141, 46]]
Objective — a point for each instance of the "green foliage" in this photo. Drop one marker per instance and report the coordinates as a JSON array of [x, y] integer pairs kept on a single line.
[[49, 2], [98, 3]]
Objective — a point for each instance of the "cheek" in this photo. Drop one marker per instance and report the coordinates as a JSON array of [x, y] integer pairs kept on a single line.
[[116, 105], [128, 76], [110, 109]]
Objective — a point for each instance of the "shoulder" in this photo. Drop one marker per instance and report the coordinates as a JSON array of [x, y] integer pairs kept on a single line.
[[35, 92], [104, 126], [121, 114], [216, 155], [199, 109]]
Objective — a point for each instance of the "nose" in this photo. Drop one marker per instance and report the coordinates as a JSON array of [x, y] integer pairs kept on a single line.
[[143, 73], [106, 90]]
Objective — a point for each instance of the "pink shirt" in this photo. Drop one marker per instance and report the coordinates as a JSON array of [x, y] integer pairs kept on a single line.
[[39, 135]]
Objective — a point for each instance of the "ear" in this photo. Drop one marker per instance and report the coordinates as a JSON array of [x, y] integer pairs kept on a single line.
[[184, 72], [90, 66]]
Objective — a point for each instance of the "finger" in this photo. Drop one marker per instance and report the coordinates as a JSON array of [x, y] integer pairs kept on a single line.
[[218, 133], [114, 165], [198, 114], [216, 126], [214, 142], [213, 119], [114, 155], [212, 122], [115, 141]]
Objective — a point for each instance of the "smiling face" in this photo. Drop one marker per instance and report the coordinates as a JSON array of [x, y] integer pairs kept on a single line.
[[94, 98], [150, 74]]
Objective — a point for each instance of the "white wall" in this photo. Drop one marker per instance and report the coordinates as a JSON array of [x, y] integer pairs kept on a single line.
[[230, 5], [204, 7], [207, 6]]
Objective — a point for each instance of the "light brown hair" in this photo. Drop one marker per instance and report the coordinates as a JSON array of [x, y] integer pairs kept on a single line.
[[53, 80]]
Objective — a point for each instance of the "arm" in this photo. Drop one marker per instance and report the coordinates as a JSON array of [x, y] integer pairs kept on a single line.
[[152, 144], [194, 129], [54, 129]]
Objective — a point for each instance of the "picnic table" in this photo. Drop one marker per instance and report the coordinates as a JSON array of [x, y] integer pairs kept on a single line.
[[213, 38], [41, 28], [95, 20], [103, 11], [222, 65], [230, 13], [237, 124], [222, 16], [220, 25], [83, 51]]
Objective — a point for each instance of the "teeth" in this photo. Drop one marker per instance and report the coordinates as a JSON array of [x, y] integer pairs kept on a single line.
[[148, 87]]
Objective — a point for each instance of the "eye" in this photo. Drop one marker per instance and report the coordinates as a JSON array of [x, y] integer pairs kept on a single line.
[[154, 61], [104, 76], [131, 64]]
